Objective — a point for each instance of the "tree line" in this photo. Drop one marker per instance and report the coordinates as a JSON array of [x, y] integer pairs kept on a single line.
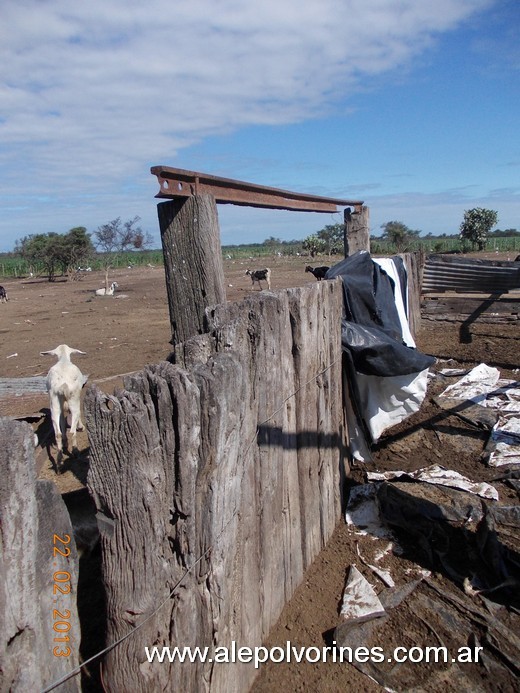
[[474, 231], [65, 253]]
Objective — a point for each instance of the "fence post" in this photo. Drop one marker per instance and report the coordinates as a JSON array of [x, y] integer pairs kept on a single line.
[[357, 230], [192, 262], [38, 585]]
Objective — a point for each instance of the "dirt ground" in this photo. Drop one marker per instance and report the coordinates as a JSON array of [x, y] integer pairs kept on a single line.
[[121, 334]]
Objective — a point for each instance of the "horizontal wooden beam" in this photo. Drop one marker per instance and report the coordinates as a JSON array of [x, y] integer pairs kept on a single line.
[[176, 182]]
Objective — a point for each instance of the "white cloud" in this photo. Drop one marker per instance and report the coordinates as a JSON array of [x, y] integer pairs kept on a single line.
[[92, 94]]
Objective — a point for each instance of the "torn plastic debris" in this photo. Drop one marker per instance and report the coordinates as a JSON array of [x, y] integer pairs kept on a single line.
[[436, 474], [435, 614], [384, 575], [359, 599], [362, 514], [452, 372], [386, 401], [476, 385], [483, 385], [505, 442]]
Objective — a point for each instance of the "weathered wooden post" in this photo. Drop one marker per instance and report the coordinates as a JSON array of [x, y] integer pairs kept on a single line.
[[357, 230], [39, 626], [192, 261]]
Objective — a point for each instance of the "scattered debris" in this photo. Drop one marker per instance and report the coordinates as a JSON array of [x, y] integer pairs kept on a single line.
[[436, 474], [363, 515], [483, 386], [451, 372], [383, 575], [359, 598], [475, 385], [504, 444], [474, 414]]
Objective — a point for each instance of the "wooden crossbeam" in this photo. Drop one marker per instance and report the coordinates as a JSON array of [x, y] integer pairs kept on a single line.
[[176, 182]]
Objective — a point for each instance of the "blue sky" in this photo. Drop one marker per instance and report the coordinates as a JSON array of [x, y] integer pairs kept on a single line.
[[409, 105]]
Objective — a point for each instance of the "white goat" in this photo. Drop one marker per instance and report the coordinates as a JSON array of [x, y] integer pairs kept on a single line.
[[107, 292], [64, 384]]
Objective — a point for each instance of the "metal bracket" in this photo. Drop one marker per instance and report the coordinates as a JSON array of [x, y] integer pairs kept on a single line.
[[176, 182]]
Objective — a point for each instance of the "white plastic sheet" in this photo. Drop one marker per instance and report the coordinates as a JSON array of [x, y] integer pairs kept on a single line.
[[362, 514], [436, 474], [386, 401], [484, 386], [389, 267], [359, 598]]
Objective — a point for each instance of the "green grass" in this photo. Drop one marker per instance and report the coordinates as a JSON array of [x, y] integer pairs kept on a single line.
[[16, 266], [12, 266]]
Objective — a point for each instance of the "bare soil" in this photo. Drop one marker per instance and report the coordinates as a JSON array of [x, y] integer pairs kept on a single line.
[[121, 334]]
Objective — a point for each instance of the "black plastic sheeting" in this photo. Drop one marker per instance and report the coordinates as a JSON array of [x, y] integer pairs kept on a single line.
[[371, 330]]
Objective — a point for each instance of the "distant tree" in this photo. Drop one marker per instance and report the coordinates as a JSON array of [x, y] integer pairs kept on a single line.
[[507, 233], [398, 234], [314, 245], [272, 241], [332, 235], [476, 226], [76, 247], [56, 251], [117, 237]]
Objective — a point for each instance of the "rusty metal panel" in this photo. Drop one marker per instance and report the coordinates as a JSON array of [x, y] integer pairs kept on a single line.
[[445, 273], [176, 182]]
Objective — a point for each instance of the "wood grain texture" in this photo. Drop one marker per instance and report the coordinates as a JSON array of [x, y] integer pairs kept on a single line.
[[228, 465], [31, 512], [192, 262]]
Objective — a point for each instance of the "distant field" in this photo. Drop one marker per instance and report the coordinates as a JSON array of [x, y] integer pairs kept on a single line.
[[18, 267], [15, 266]]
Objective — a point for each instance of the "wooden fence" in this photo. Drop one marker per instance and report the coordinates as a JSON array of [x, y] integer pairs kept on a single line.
[[414, 265], [220, 480], [39, 627]]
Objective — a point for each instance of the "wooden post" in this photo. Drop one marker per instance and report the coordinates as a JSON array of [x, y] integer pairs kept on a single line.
[[38, 584], [192, 262], [357, 230], [230, 485]]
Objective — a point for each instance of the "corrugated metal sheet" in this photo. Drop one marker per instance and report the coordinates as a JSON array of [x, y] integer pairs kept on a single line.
[[448, 273]]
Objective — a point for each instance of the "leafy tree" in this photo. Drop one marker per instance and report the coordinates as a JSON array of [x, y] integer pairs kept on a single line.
[[73, 249], [56, 251], [314, 244], [328, 240], [476, 226], [398, 234], [332, 235]]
